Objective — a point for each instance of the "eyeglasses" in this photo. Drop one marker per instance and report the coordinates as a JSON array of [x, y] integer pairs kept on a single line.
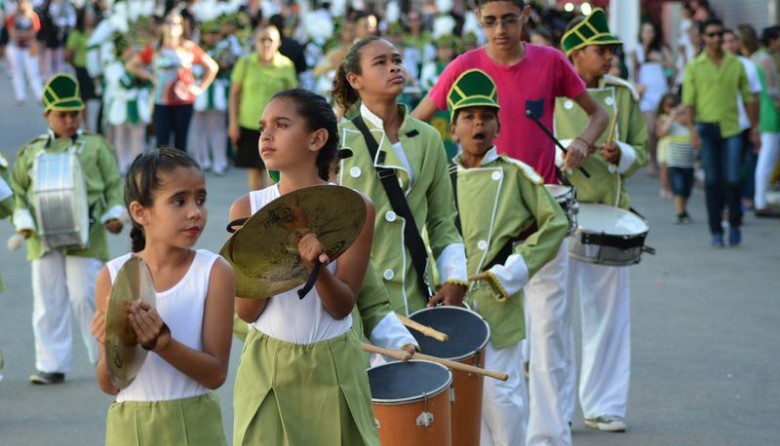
[[266, 40], [715, 34], [492, 22]]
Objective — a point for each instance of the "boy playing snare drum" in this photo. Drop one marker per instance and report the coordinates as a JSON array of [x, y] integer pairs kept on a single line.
[[65, 276], [512, 227]]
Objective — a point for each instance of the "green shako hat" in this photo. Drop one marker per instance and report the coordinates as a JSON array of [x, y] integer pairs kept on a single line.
[[594, 30], [473, 88], [62, 93]]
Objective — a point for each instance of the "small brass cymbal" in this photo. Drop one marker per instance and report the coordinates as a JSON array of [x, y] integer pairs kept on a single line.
[[133, 284], [264, 252]]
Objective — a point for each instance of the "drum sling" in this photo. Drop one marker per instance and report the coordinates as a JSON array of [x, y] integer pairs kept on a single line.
[[412, 239], [508, 248]]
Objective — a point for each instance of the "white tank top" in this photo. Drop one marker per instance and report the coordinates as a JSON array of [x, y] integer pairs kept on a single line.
[[181, 307], [288, 318]]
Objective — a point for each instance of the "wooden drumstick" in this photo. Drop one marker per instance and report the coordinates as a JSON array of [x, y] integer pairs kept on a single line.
[[402, 355], [613, 126], [479, 276], [424, 329]]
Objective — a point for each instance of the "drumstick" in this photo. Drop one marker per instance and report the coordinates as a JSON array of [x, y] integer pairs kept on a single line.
[[402, 355], [612, 126], [479, 276], [424, 329]]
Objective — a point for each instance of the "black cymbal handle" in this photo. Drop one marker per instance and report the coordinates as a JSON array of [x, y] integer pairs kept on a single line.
[[231, 227], [315, 272], [552, 137]]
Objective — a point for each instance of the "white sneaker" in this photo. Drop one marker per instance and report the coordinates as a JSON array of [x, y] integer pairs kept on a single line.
[[606, 424]]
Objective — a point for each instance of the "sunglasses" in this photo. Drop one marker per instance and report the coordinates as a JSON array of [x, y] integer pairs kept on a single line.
[[715, 34]]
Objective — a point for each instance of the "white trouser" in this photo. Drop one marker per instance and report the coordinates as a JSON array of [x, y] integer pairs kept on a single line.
[[209, 129], [606, 337], [767, 158], [21, 63], [551, 359], [59, 282], [504, 414], [128, 142]]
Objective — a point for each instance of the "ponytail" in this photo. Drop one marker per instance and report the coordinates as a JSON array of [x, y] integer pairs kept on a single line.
[[343, 94]]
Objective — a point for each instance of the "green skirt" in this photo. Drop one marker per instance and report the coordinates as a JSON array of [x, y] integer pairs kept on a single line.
[[188, 421], [294, 394]]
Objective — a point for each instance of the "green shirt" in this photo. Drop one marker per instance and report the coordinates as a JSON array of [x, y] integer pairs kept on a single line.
[[712, 91], [77, 42], [769, 116], [259, 83], [7, 204]]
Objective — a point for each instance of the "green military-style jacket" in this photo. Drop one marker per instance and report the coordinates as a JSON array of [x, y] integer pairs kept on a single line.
[[607, 182], [428, 193], [497, 202], [103, 184], [6, 202]]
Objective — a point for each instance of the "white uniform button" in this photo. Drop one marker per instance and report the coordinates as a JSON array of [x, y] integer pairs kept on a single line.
[[496, 176], [609, 101], [388, 274], [355, 172], [390, 216], [568, 105], [482, 245]]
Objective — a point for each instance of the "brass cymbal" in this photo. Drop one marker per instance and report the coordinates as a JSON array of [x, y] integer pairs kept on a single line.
[[133, 284], [264, 252]]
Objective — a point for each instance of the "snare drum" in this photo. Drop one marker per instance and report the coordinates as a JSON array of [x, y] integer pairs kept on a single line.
[[468, 335], [565, 196], [60, 200], [411, 403], [607, 235]]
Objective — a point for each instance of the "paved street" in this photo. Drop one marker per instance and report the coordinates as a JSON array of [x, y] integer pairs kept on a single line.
[[706, 330]]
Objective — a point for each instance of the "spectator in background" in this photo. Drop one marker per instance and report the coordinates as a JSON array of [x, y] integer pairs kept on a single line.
[[169, 68], [653, 66], [732, 44], [540, 36], [769, 116], [289, 47], [59, 17], [702, 11], [76, 56], [366, 25], [256, 77], [22, 50], [712, 82]]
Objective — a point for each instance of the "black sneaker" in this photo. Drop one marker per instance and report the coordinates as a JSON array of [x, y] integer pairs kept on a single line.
[[44, 378]]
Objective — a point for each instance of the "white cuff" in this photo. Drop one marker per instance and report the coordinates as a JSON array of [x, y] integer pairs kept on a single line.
[[513, 275], [451, 264], [627, 156], [116, 212], [559, 155], [391, 333], [23, 220]]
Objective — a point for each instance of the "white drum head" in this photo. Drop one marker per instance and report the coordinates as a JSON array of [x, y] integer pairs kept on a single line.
[[557, 190], [600, 218]]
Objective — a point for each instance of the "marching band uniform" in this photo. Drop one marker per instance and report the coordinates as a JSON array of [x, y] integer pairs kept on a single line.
[[314, 348], [163, 405], [497, 201], [66, 276], [603, 290], [421, 166]]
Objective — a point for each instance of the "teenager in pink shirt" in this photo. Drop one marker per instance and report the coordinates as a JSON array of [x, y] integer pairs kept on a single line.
[[530, 76]]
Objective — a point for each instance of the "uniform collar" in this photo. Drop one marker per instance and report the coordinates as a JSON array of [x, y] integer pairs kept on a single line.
[[377, 122], [490, 156]]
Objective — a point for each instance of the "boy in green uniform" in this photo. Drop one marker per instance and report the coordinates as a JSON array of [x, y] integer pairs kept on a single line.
[[512, 227], [617, 153], [65, 276]]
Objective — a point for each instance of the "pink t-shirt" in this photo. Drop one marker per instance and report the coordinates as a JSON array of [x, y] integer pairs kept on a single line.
[[543, 74]]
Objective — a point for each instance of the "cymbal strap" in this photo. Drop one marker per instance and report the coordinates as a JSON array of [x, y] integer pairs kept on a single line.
[[315, 272], [231, 227]]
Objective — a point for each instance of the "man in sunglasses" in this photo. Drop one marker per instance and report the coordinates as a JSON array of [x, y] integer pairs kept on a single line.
[[529, 78], [711, 85]]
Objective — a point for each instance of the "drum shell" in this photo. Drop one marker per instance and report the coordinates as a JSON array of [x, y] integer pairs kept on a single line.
[[582, 248], [60, 200], [566, 198], [399, 419], [466, 387]]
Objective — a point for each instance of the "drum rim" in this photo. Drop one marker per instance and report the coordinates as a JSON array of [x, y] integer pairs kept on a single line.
[[451, 307], [412, 399], [585, 206]]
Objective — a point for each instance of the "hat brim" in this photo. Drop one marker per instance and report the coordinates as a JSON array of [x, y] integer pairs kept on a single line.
[[473, 102], [70, 105], [604, 39]]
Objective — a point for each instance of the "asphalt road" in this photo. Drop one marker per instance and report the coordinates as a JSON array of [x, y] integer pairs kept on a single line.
[[705, 329]]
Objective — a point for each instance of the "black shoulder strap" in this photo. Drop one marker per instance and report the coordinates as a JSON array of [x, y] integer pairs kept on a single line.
[[454, 180], [412, 239]]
